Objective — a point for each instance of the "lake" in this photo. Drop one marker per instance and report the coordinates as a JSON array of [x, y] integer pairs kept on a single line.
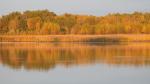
[[74, 63]]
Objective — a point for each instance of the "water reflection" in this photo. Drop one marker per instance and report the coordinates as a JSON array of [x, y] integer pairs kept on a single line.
[[46, 56]]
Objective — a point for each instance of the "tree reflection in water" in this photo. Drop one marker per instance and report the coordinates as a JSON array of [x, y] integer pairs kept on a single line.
[[45, 56]]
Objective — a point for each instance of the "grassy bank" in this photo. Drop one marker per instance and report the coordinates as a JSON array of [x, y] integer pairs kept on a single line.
[[76, 38]]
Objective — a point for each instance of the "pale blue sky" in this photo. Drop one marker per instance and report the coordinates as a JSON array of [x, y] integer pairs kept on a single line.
[[90, 7]]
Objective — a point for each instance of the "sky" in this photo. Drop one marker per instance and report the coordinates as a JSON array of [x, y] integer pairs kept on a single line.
[[85, 7]]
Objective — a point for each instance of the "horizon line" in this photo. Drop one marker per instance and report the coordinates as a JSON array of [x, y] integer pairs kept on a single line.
[[131, 12]]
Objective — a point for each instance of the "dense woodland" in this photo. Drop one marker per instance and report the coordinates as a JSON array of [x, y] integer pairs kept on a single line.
[[44, 22]]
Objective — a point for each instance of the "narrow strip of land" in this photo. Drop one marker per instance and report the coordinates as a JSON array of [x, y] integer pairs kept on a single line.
[[76, 38]]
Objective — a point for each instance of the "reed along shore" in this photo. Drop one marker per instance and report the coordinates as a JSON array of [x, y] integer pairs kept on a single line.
[[76, 38]]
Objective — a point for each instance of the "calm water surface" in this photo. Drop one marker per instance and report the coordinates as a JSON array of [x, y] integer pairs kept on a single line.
[[74, 63]]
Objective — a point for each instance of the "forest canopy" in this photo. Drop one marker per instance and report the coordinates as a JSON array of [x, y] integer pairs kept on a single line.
[[43, 22]]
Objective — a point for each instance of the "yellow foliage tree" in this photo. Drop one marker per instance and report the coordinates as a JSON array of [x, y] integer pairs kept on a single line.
[[13, 25], [34, 23], [50, 28]]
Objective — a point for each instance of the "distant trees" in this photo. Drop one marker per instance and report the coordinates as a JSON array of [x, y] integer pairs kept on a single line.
[[66, 22], [45, 22], [50, 28], [13, 25], [33, 23]]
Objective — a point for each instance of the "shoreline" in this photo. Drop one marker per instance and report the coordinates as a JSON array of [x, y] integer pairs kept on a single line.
[[77, 38]]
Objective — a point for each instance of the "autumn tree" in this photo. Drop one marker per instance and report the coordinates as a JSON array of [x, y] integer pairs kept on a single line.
[[13, 25], [45, 22], [50, 28], [66, 21]]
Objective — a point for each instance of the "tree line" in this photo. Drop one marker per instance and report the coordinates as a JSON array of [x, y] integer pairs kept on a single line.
[[43, 22]]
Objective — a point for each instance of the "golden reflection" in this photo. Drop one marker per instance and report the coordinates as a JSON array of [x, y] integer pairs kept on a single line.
[[45, 56]]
